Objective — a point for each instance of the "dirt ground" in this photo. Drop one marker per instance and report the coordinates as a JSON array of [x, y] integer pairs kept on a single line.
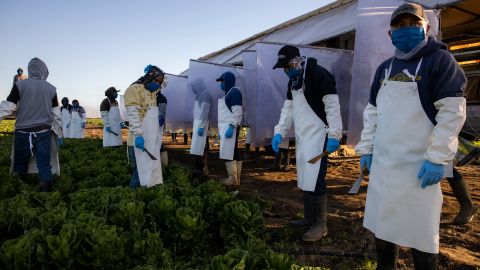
[[348, 245]]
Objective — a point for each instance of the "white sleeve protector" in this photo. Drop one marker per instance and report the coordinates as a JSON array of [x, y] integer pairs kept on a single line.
[[134, 121], [286, 119], [104, 115], [57, 121], [450, 119], [365, 146], [204, 112], [334, 117], [6, 108], [237, 115], [84, 117]]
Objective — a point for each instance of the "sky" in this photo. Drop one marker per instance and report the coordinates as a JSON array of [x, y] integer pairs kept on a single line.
[[90, 45]]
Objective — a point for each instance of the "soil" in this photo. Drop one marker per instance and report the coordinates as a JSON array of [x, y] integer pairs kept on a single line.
[[348, 245]]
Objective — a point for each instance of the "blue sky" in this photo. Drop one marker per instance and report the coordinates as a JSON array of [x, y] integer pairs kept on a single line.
[[90, 45]]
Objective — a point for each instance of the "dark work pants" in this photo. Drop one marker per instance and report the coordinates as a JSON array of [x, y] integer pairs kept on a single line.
[[41, 143], [321, 186]]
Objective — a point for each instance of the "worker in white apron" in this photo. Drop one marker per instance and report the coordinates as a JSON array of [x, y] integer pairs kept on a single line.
[[201, 122], [66, 114], [112, 122], [38, 126], [145, 133], [230, 113], [313, 107], [78, 122], [415, 112]]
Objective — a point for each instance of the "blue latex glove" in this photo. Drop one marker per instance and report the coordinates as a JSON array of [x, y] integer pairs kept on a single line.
[[122, 125], [200, 131], [430, 173], [68, 125], [332, 145], [59, 141], [161, 120], [83, 124], [229, 132], [276, 141], [366, 160], [108, 129], [140, 142]]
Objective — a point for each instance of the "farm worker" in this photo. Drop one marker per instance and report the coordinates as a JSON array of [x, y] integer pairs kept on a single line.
[[411, 123], [162, 114], [19, 76], [460, 190], [230, 113], [38, 127], [312, 106], [112, 122], [201, 122], [66, 116], [78, 122], [145, 133]]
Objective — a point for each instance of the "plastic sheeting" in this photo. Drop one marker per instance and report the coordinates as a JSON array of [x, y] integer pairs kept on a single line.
[[372, 47], [178, 116], [121, 107], [435, 3], [204, 75], [272, 84], [250, 72]]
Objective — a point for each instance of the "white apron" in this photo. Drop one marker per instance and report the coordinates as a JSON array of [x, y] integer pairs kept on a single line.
[[76, 130], [227, 145], [114, 120], [310, 133], [66, 117], [32, 164], [150, 171], [398, 210], [197, 146]]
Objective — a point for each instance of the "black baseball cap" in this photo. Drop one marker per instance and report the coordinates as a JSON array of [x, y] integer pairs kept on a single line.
[[285, 54], [111, 90], [408, 8]]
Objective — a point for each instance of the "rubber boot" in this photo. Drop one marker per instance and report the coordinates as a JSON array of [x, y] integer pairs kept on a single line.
[[319, 225], [164, 159], [387, 255], [277, 161], [45, 186], [307, 212], [424, 260], [239, 172], [467, 208], [232, 173]]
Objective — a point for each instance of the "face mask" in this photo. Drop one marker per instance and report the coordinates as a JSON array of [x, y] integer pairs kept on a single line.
[[65, 103], [223, 86], [113, 96], [407, 38], [75, 105], [293, 73], [153, 86]]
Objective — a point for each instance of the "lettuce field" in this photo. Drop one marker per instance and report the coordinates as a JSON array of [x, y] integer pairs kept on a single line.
[[93, 220]]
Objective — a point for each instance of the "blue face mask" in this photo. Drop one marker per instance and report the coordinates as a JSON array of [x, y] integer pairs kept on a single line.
[[153, 86], [293, 73], [75, 105], [223, 86], [113, 96], [407, 38]]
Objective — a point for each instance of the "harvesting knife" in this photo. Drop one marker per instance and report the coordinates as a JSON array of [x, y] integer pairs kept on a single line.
[[356, 186], [152, 157], [114, 133], [317, 158]]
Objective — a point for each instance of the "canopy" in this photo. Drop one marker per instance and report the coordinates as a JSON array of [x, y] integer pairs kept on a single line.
[[272, 84]]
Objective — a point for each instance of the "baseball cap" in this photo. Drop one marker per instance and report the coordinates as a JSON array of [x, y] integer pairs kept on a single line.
[[285, 54], [111, 90], [408, 8]]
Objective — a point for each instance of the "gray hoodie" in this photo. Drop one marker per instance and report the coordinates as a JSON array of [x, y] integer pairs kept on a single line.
[[35, 98]]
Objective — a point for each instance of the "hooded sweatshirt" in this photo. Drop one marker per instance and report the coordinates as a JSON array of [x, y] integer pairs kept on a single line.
[[35, 98], [439, 76], [233, 96]]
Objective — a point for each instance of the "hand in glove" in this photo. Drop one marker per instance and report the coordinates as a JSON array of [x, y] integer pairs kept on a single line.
[[122, 125], [229, 132], [366, 161], [140, 142], [108, 129], [59, 141], [68, 125], [332, 145], [200, 131], [276, 141], [430, 173], [83, 124], [161, 120]]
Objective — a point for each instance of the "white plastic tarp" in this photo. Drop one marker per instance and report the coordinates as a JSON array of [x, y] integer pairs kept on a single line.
[[178, 115], [250, 79], [272, 84], [372, 47], [435, 3], [204, 74], [121, 107]]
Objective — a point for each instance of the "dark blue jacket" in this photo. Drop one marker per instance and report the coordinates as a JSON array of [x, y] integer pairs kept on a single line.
[[233, 96], [439, 76]]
